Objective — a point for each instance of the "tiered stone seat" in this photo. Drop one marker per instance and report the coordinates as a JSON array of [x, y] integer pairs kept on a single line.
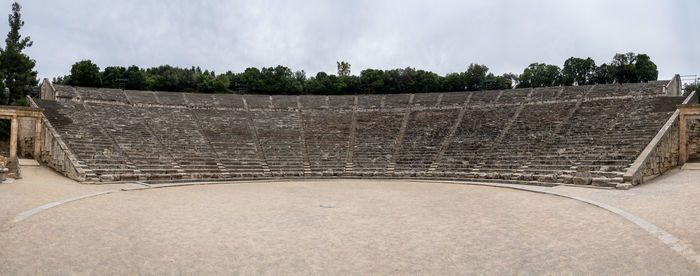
[[314, 102], [606, 90], [179, 131], [538, 134], [396, 100], [573, 92], [425, 132], [143, 150], [140, 97], [106, 94], [228, 101], [628, 89], [534, 124], [425, 99], [341, 102], [544, 94], [369, 101], [65, 91], [375, 138], [631, 89], [483, 97], [653, 88], [479, 128], [514, 96], [594, 139], [635, 128], [327, 135], [453, 99], [280, 140], [284, 102], [200, 100], [170, 98], [258, 101], [82, 133], [232, 138]]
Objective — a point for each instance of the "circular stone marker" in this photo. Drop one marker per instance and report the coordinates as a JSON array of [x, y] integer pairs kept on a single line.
[[329, 204]]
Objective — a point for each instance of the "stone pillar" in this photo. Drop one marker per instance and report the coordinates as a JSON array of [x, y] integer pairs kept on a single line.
[[37, 138], [13, 138]]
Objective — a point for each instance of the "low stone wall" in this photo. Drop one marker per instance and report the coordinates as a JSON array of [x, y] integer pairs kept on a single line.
[[692, 99], [673, 88], [48, 92], [56, 154], [660, 155]]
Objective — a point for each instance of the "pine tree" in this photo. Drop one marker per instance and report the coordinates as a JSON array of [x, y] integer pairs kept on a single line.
[[17, 68]]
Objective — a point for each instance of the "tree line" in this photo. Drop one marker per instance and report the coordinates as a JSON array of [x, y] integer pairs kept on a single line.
[[623, 68]]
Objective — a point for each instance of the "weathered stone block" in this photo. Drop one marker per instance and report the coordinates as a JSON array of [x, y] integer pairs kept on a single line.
[[566, 179], [623, 186], [582, 177], [600, 181], [106, 177]]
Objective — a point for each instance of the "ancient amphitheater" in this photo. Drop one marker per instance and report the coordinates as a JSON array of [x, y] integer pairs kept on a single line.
[[588, 135], [512, 182]]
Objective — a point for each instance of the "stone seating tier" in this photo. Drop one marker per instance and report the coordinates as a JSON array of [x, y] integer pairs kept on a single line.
[[538, 135]]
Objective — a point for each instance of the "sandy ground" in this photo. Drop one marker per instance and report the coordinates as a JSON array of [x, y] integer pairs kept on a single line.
[[671, 202], [378, 227], [39, 186]]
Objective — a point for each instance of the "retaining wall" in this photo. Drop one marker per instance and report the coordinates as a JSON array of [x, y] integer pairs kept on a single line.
[[662, 153]]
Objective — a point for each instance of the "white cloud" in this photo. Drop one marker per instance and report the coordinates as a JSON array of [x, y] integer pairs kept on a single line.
[[440, 36]]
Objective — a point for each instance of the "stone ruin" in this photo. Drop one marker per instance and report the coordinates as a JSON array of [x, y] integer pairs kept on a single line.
[[3, 168], [588, 135]]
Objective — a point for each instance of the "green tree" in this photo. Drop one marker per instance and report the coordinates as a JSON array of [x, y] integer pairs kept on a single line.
[[513, 79], [604, 74], [85, 73], [112, 75], [313, 86], [690, 88], [372, 80], [475, 77], [17, 68], [343, 68], [221, 84], [300, 76], [454, 82], [540, 74], [578, 71], [137, 79], [329, 83], [623, 67], [427, 81], [494, 82], [645, 69]]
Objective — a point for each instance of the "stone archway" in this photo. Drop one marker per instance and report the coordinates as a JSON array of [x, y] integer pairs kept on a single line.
[[14, 113]]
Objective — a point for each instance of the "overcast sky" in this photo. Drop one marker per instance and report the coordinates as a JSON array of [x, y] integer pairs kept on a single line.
[[440, 36]]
